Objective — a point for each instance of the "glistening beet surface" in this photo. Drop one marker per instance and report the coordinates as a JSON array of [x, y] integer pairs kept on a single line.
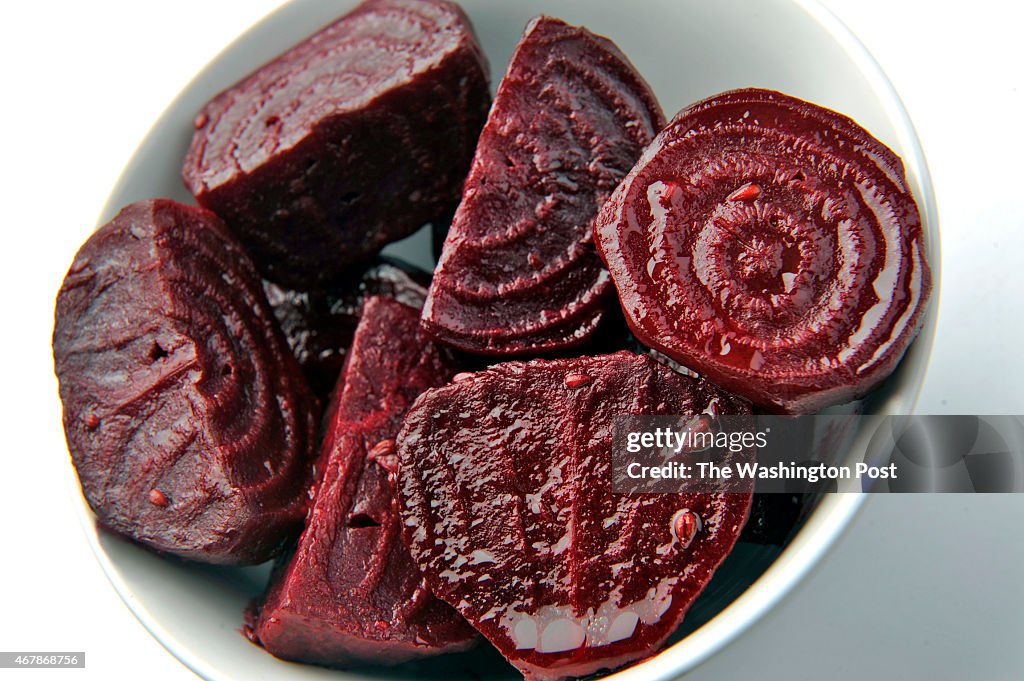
[[350, 592], [352, 139], [508, 510], [187, 418], [773, 246], [319, 324], [518, 273]]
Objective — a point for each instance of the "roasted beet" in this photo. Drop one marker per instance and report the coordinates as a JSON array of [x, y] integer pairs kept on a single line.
[[353, 138], [319, 324], [350, 592], [508, 509], [773, 246], [188, 420], [518, 273]]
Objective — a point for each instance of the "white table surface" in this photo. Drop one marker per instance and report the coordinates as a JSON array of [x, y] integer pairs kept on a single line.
[[920, 587]]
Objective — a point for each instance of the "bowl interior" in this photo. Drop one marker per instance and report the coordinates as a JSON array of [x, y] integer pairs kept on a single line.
[[687, 50]]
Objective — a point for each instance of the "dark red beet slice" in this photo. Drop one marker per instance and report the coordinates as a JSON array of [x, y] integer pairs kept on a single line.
[[351, 592], [189, 422], [355, 137], [319, 324], [518, 273], [508, 510], [773, 246]]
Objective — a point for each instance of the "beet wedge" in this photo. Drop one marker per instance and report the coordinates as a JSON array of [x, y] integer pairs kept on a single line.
[[518, 272], [188, 420], [507, 508], [353, 138], [774, 247], [350, 592]]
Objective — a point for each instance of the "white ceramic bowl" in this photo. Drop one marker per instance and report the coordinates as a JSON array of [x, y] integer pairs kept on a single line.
[[687, 50]]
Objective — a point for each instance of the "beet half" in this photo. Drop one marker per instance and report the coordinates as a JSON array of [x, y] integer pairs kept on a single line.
[[518, 272], [773, 246], [508, 509], [187, 418], [353, 138], [350, 592]]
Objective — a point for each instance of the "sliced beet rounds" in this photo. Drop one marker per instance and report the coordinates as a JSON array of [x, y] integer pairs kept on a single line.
[[773, 246], [508, 509], [187, 418], [319, 324], [353, 138], [350, 592], [518, 273]]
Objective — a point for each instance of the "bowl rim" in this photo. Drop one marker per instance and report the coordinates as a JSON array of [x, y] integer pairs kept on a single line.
[[825, 525]]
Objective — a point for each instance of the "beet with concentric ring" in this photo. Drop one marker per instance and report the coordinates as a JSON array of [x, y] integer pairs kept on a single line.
[[518, 273], [773, 246], [188, 419]]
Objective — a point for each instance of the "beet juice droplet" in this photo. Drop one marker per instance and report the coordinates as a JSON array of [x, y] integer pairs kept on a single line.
[[686, 524], [577, 380], [747, 192], [158, 498]]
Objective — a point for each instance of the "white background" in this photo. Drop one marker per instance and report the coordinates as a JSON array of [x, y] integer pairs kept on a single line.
[[919, 588]]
